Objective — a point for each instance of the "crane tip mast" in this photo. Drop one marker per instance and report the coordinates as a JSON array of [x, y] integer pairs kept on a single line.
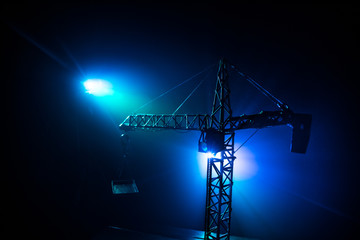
[[217, 132]]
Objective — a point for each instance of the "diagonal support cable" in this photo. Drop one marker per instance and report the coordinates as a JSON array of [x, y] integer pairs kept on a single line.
[[173, 88], [192, 92]]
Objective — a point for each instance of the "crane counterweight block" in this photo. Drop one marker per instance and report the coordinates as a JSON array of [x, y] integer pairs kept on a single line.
[[301, 124]]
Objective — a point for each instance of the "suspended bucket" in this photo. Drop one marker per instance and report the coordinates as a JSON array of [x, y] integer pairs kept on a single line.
[[124, 187]]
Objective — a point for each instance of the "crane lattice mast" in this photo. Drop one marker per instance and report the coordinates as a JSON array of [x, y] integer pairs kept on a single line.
[[217, 136]]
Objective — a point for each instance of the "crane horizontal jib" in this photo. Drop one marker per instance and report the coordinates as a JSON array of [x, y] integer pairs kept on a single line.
[[201, 122], [166, 121]]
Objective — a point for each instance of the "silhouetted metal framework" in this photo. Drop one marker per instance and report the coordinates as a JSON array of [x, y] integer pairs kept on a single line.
[[219, 179], [217, 136]]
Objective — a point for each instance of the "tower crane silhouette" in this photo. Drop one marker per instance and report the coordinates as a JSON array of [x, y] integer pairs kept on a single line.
[[217, 132]]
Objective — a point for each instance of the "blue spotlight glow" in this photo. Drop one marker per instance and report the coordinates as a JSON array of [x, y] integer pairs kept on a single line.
[[210, 155], [98, 87], [245, 166]]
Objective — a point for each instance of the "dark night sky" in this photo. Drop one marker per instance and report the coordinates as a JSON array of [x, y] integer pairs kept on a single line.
[[62, 145]]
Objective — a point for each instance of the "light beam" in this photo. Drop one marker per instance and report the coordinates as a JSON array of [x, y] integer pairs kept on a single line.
[[98, 87]]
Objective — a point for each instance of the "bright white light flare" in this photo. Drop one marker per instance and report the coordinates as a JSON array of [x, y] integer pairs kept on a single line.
[[98, 87]]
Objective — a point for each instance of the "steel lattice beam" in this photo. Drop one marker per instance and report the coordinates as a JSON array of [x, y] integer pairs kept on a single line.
[[219, 193], [166, 121], [220, 170]]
